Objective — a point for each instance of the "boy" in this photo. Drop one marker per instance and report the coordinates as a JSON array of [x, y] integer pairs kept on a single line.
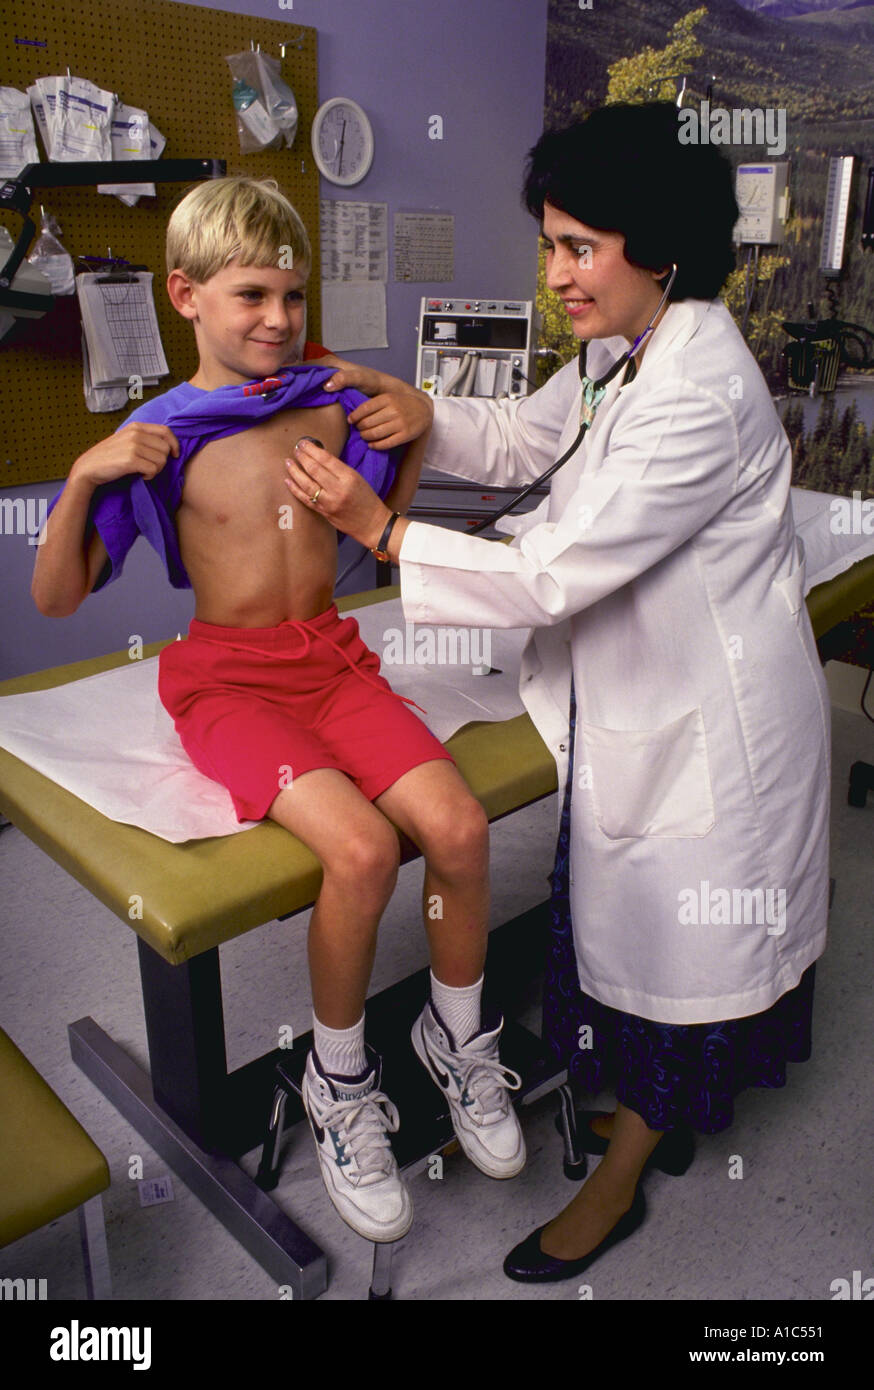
[[277, 698]]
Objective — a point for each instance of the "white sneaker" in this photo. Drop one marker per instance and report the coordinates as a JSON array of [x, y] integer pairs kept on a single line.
[[351, 1121], [475, 1083]]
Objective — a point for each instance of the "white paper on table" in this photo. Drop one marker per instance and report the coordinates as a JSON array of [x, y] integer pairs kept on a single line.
[[828, 550], [109, 740], [353, 315]]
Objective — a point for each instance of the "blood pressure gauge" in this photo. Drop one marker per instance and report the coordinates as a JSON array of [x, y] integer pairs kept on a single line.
[[342, 141]]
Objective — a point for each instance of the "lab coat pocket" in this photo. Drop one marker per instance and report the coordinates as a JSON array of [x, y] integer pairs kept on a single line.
[[651, 781]]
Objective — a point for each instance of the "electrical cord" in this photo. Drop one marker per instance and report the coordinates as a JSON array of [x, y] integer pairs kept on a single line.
[[864, 693]]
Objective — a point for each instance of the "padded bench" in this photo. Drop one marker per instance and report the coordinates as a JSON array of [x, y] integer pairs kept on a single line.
[[48, 1165]]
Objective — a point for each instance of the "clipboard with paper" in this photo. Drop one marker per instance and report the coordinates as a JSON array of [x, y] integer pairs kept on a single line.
[[120, 329]]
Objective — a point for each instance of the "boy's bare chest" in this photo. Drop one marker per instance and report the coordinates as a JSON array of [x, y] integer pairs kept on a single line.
[[244, 474]]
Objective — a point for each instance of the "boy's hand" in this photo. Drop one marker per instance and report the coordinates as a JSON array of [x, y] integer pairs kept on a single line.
[[397, 412], [367, 379], [393, 418], [136, 448]]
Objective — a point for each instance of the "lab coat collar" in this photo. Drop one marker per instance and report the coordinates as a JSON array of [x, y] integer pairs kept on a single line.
[[677, 325]]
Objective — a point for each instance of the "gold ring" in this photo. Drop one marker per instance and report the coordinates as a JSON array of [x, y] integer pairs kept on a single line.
[[315, 496]]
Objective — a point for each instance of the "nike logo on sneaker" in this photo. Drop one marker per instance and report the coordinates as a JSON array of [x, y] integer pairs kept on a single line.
[[441, 1076], [319, 1132]]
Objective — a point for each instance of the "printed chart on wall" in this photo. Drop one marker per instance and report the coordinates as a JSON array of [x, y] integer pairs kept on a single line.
[[354, 237], [424, 246]]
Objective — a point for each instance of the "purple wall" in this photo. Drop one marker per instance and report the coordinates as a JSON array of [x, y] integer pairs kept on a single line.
[[477, 63]]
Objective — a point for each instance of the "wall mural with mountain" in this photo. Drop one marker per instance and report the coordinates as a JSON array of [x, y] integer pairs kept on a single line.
[[813, 59]]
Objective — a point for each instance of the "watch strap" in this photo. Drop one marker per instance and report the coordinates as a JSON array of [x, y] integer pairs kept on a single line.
[[379, 550]]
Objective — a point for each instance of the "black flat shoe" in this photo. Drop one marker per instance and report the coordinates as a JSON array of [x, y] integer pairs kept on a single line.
[[673, 1153], [528, 1264]]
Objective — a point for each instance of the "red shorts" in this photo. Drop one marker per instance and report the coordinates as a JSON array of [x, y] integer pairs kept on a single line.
[[257, 707]]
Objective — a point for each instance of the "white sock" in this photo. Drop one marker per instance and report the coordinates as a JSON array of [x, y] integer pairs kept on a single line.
[[458, 1007], [340, 1050]]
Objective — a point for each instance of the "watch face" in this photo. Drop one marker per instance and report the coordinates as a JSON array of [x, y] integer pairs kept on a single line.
[[342, 141]]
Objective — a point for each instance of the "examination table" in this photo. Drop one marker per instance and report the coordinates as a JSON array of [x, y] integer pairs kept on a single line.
[[198, 1117]]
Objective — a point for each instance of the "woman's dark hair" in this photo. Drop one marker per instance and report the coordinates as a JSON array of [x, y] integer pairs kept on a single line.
[[623, 169]]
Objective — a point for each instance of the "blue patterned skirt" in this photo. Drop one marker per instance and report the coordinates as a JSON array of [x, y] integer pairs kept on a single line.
[[669, 1074]]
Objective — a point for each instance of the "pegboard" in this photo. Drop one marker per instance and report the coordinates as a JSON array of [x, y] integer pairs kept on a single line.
[[169, 59]]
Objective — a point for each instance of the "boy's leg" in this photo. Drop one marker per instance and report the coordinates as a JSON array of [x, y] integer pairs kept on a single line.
[[350, 1116], [359, 853], [433, 805]]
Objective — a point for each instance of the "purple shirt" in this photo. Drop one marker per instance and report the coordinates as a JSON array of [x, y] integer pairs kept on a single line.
[[131, 506]]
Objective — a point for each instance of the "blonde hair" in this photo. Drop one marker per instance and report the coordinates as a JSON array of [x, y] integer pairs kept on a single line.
[[237, 218]]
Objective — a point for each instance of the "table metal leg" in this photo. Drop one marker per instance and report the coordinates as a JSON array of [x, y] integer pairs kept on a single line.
[[95, 1256], [268, 1168], [575, 1163], [186, 1032], [380, 1282], [252, 1217]]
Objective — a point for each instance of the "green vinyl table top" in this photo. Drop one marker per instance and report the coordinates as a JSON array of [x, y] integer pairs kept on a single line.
[[198, 894]]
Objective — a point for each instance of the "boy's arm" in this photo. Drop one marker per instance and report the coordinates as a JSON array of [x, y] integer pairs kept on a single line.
[[68, 562], [406, 483]]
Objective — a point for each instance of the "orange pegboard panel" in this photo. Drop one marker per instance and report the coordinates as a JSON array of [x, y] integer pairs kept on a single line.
[[169, 59]]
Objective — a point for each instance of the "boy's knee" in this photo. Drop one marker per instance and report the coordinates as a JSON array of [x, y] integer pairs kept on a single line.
[[458, 834], [366, 859]]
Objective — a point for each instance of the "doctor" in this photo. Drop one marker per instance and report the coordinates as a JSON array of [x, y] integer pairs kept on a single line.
[[671, 667]]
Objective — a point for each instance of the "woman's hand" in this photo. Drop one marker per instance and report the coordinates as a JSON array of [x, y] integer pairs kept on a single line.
[[341, 495]]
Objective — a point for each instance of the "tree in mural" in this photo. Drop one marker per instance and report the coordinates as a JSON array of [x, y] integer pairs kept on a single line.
[[651, 75], [648, 75]]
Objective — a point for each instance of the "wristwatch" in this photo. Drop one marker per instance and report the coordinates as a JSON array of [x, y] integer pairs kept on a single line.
[[379, 550]]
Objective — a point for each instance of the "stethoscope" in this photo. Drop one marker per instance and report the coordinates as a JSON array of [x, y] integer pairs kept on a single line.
[[592, 394]]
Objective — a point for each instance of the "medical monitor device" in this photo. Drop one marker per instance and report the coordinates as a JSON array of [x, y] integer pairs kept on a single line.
[[475, 347], [836, 215], [763, 200]]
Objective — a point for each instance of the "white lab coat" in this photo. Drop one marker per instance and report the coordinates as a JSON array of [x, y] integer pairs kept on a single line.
[[664, 570]]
